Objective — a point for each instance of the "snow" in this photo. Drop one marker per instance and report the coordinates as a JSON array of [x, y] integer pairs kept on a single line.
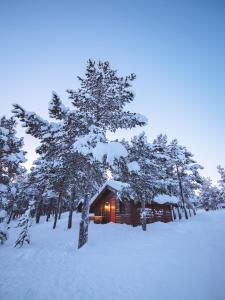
[[82, 145], [3, 188], [133, 166], [13, 190], [4, 131], [15, 157], [46, 135], [116, 185], [63, 108], [3, 213], [175, 261], [141, 118], [161, 199], [112, 151]]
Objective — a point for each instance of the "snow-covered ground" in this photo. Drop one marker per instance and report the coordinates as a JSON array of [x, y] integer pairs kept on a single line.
[[179, 260]]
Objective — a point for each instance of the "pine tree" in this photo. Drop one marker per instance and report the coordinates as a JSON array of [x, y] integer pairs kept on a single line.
[[102, 97], [24, 223], [11, 158], [77, 139], [49, 172], [145, 170], [186, 172], [209, 195], [221, 182]]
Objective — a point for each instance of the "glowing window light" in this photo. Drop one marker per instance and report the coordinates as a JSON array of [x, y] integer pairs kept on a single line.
[[107, 206]]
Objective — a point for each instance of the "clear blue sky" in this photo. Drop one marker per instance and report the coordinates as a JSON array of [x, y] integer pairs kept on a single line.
[[176, 48]]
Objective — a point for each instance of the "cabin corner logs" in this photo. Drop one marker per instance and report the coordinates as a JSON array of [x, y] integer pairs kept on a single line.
[[106, 208]]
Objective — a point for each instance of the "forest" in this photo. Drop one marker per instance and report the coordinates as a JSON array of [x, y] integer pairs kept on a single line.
[[76, 157]]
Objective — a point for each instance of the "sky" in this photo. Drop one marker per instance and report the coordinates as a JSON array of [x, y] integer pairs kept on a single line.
[[176, 49]]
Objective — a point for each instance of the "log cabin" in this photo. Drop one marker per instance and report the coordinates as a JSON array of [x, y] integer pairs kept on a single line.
[[107, 206]]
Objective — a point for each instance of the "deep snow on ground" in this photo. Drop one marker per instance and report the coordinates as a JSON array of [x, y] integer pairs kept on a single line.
[[178, 260]]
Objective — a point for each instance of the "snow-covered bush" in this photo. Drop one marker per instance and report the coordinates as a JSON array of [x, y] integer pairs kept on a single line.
[[24, 224]]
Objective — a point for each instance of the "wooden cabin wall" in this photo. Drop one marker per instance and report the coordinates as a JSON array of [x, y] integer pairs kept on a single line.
[[113, 209], [158, 212], [131, 212], [98, 208], [123, 217]]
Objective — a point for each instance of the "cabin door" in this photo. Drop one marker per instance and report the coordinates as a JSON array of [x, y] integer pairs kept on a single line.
[[106, 212], [109, 211]]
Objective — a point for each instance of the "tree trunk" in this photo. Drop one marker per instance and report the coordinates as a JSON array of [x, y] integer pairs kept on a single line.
[[48, 216], [189, 211], [60, 209], [83, 234], [57, 211], [10, 217], [179, 214], [174, 214], [193, 209], [143, 215], [70, 218], [181, 192], [39, 207]]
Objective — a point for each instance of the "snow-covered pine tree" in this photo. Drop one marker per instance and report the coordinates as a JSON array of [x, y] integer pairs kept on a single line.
[[99, 154], [221, 171], [26, 209], [145, 170], [25, 222], [77, 141], [49, 172], [205, 193], [209, 195], [140, 185], [102, 97], [186, 172], [11, 158], [21, 197], [58, 169], [167, 185]]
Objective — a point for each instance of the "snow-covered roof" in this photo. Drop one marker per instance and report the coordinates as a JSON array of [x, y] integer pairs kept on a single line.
[[161, 199], [114, 184]]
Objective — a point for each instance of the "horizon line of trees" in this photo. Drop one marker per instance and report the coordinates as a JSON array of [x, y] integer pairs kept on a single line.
[[75, 153]]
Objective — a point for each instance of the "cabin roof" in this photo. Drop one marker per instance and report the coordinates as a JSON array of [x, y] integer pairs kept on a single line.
[[113, 185], [117, 186]]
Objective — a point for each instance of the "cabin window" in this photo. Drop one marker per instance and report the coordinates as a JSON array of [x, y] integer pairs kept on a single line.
[[122, 207]]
